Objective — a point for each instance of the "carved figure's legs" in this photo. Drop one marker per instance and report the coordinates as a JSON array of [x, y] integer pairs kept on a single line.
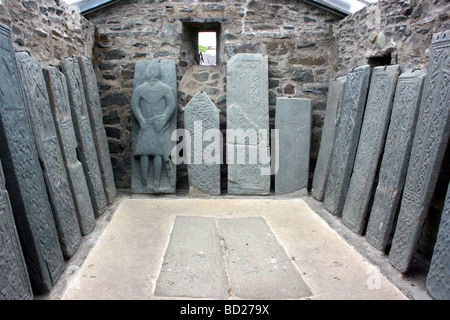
[[157, 168], [144, 169]]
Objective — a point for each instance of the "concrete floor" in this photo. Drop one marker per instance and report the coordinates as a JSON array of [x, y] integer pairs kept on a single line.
[[123, 257]]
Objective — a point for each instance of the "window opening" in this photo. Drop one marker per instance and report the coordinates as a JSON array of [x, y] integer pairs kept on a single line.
[[200, 42], [207, 48], [382, 60]]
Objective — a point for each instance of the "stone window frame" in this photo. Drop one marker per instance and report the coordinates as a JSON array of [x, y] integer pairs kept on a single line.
[[190, 29]]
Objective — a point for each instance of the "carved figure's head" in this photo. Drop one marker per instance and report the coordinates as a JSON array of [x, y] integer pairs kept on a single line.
[[153, 71]]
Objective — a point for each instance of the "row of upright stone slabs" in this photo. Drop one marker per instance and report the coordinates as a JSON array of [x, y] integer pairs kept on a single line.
[[293, 121], [83, 131], [429, 145], [154, 120], [438, 278], [248, 111], [60, 104], [47, 143], [371, 142], [201, 120], [347, 136], [249, 163], [98, 129], [395, 160], [332, 115], [23, 175], [13, 271]]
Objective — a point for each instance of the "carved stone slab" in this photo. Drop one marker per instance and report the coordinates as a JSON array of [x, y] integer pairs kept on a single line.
[[248, 111], [83, 131], [98, 130], [23, 175], [395, 160], [13, 271], [293, 120], [47, 143], [154, 102], [438, 278], [201, 115], [60, 105], [370, 146], [332, 115], [347, 136], [430, 141]]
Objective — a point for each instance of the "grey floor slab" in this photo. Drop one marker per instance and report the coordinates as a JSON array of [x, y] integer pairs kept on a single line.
[[215, 258], [257, 265], [127, 261], [192, 264]]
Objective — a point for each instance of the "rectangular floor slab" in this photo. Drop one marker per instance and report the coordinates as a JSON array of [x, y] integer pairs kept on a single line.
[[257, 265], [209, 257], [127, 259], [192, 264]]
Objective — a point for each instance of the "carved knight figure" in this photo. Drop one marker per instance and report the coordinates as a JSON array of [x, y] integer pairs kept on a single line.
[[153, 104]]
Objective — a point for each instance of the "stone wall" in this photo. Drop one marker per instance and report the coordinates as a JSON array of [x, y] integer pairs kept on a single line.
[[296, 36], [47, 29], [390, 32]]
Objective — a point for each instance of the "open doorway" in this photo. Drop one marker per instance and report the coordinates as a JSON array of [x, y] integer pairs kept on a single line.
[[207, 48]]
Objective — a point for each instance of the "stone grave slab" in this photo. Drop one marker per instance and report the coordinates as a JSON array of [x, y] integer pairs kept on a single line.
[[371, 142], [192, 266], [257, 265], [201, 115], [60, 105], [438, 278], [430, 141], [49, 152], [347, 137], [395, 160], [154, 119], [218, 258], [98, 130], [332, 115], [293, 120], [83, 131], [23, 175], [13, 271], [248, 117]]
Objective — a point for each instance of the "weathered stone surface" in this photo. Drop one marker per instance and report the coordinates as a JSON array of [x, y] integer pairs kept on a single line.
[[115, 54], [201, 115], [49, 152], [347, 136], [154, 119], [293, 120], [431, 137], [371, 143], [83, 131], [13, 271], [192, 264], [303, 76], [23, 175], [332, 115], [248, 112], [98, 130], [438, 278], [60, 105], [395, 160], [257, 265]]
